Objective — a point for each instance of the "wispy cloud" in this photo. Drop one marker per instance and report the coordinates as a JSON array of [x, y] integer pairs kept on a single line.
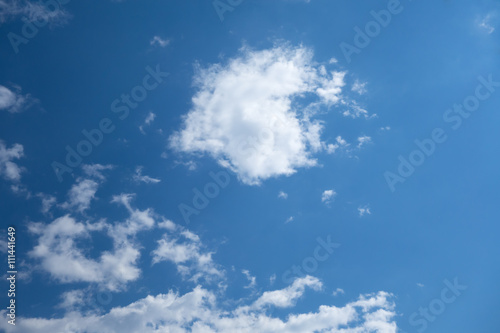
[[140, 178], [158, 41], [12, 9], [364, 210], [8, 169], [485, 23], [328, 196], [12, 100]]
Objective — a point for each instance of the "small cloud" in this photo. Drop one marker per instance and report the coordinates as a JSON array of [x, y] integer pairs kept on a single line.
[[385, 128], [485, 23], [81, 195], [13, 101], [8, 169], [251, 279], [338, 291], [33, 11], [356, 111], [95, 170], [138, 177], [47, 202], [282, 195], [290, 219], [157, 40], [147, 122], [333, 61], [331, 148], [272, 279], [420, 285], [328, 196], [359, 87], [362, 140], [365, 210]]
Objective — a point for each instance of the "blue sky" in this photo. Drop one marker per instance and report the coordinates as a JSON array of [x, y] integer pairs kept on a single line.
[[250, 166]]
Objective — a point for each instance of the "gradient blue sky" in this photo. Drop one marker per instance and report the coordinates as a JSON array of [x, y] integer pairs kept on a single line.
[[331, 128]]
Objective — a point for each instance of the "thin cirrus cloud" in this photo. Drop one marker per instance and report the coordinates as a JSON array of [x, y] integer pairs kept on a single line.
[[158, 41], [250, 117], [12, 9], [140, 178]]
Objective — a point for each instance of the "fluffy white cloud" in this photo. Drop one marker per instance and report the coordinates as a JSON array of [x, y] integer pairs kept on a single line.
[[282, 195], [327, 196], [251, 115], [8, 169], [61, 256], [184, 249], [60, 251], [197, 311], [83, 192], [80, 195], [331, 148], [287, 297]]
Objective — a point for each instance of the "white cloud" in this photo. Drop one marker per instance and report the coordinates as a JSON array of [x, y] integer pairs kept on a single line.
[[287, 297], [485, 24], [282, 195], [8, 169], [364, 210], [290, 219], [197, 311], [61, 253], [356, 111], [184, 249], [95, 170], [83, 192], [338, 291], [328, 196], [11, 9], [147, 122], [47, 202], [249, 114], [72, 299], [359, 87], [331, 148], [140, 178], [157, 40], [80, 195], [252, 281], [363, 140], [420, 285]]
